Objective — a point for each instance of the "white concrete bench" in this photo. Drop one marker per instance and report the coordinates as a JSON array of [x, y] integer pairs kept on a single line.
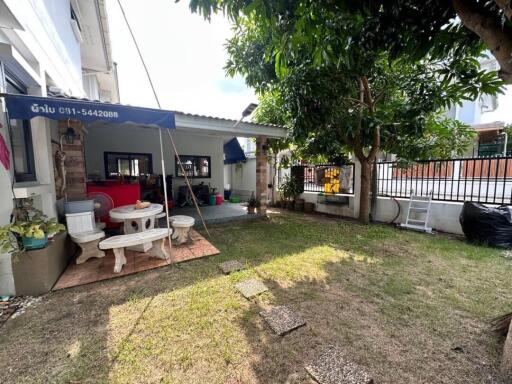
[[118, 244]]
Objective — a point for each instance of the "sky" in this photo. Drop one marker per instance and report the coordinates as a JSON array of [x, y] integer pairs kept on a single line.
[[185, 56]]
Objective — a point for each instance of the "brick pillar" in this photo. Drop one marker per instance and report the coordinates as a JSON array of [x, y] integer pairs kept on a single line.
[[261, 175], [75, 161]]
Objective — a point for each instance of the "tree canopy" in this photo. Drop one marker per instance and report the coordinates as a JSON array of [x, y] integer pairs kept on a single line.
[[348, 77], [418, 27]]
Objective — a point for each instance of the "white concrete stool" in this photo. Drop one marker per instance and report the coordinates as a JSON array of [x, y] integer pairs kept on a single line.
[[181, 225], [88, 243]]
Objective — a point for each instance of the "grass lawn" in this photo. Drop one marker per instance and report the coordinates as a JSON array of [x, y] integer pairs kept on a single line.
[[410, 307]]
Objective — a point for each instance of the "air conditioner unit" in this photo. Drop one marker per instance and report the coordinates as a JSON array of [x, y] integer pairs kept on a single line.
[[488, 103]]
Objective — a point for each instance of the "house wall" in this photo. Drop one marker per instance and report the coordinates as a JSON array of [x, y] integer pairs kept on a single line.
[[242, 176], [43, 51], [48, 43], [502, 112], [480, 111], [125, 138]]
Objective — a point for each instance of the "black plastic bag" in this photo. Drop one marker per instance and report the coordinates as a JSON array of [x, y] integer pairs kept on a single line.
[[491, 226]]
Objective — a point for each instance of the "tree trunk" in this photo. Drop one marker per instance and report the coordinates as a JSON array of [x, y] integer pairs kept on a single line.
[[364, 197], [373, 191], [493, 32]]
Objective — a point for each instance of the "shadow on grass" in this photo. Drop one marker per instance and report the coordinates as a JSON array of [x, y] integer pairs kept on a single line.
[[350, 283]]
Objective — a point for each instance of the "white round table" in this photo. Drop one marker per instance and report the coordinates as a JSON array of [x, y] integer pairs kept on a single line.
[[137, 220]]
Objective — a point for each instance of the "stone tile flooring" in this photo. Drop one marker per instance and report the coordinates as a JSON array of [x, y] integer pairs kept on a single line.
[[282, 319], [231, 266], [333, 367], [251, 288], [214, 214], [102, 269]]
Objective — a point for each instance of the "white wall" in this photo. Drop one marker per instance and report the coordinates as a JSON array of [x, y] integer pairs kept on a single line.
[[46, 49], [47, 41], [444, 216], [126, 138], [243, 175], [331, 209], [503, 112]]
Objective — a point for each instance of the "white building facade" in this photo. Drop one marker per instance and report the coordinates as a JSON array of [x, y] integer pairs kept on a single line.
[[45, 45]]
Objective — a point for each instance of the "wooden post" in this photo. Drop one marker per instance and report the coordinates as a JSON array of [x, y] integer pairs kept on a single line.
[[75, 161], [261, 175]]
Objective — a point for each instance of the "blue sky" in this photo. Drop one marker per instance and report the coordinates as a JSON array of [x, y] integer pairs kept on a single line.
[[185, 55]]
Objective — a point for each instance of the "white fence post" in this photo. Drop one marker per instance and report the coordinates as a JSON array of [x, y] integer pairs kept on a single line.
[[357, 185]]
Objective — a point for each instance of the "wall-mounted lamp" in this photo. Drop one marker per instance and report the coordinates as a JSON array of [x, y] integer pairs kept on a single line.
[[70, 135]]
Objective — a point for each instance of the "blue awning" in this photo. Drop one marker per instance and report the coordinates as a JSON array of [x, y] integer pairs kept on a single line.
[[27, 107], [233, 152]]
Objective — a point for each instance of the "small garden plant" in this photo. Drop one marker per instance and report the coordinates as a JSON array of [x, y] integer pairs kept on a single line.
[[29, 224], [289, 188]]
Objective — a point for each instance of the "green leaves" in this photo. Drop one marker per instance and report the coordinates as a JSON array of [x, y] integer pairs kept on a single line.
[[309, 56], [38, 227]]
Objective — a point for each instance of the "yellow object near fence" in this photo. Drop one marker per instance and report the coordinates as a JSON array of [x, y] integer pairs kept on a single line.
[[332, 180]]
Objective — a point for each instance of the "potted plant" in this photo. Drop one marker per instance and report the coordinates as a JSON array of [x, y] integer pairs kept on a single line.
[[34, 233], [30, 230], [288, 190], [252, 205], [36, 262]]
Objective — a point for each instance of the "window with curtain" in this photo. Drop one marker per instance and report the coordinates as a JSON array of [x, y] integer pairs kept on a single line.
[[195, 166]]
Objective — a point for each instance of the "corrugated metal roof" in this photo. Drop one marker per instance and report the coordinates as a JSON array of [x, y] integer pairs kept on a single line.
[[64, 95]]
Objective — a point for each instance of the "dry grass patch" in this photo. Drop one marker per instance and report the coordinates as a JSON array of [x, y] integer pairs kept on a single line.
[[409, 307]]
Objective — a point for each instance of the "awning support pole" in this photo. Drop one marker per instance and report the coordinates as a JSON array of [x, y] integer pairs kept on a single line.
[[188, 183], [165, 194]]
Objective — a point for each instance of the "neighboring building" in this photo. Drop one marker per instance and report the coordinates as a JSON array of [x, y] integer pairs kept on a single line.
[[488, 115]]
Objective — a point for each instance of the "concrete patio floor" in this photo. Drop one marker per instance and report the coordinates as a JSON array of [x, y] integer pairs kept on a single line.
[[214, 214]]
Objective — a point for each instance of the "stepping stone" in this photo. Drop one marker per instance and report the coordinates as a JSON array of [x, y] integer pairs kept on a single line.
[[230, 266], [282, 319], [251, 288], [333, 367]]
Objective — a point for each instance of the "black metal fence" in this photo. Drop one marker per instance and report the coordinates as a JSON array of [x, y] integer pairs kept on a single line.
[[485, 180], [328, 178]]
